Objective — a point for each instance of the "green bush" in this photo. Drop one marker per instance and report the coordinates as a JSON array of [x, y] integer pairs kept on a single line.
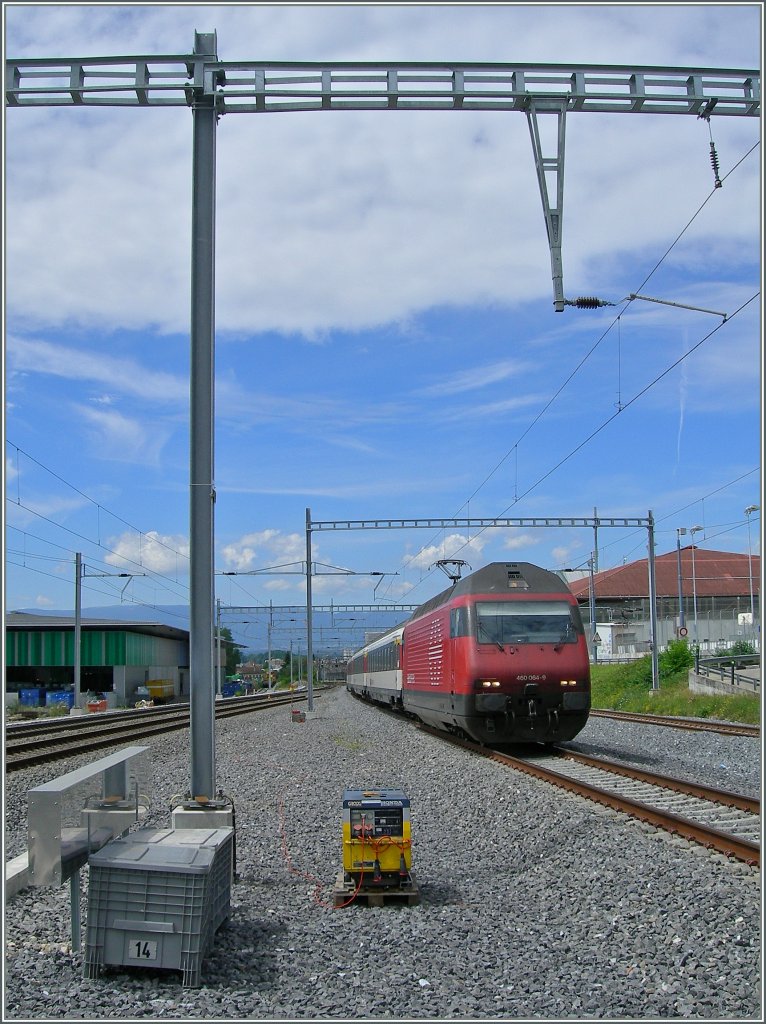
[[638, 674], [676, 658], [742, 647]]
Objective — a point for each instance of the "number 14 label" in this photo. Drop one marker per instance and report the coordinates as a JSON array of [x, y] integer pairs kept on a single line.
[[143, 949]]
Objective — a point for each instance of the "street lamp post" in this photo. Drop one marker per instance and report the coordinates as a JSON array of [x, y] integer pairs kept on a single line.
[[681, 617], [692, 531], [748, 512], [592, 596]]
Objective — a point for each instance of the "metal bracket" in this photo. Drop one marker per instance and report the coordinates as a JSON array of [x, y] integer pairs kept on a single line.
[[552, 166]]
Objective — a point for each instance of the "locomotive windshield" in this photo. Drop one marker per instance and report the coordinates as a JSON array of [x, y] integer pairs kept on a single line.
[[525, 622]]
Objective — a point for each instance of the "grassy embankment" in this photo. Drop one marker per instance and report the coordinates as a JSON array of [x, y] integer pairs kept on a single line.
[[629, 688]]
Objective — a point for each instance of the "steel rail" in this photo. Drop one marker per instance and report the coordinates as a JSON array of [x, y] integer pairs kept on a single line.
[[706, 725], [27, 752], [719, 796], [708, 835], [16, 731]]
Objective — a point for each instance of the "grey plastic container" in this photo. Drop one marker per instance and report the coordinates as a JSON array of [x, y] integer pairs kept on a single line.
[[156, 897]]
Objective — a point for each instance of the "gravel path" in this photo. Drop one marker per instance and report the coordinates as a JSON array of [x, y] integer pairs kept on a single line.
[[535, 903]]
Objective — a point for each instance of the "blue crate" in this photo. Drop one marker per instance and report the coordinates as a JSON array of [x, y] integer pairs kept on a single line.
[[60, 697], [30, 697]]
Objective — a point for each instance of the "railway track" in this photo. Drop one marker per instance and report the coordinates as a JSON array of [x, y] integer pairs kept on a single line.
[[724, 821], [28, 743], [704, 725]]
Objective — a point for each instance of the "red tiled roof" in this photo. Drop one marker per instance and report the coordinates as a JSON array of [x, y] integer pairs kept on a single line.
[[717, 574]]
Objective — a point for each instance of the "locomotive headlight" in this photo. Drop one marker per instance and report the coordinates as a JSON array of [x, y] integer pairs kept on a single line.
[[569, 682], [488, 684]]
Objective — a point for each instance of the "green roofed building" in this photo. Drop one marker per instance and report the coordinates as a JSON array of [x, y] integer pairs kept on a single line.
[[116, 658]]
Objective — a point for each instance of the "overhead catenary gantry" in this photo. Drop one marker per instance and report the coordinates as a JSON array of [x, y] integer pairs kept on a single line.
[[258, 87], [212, 88], [594, 522]]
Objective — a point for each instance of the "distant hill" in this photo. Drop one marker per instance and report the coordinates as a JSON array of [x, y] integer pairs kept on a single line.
[[169, 615], [326, 633]]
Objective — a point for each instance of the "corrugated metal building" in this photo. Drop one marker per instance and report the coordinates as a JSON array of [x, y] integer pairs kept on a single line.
[[723, 584], [115, 656]]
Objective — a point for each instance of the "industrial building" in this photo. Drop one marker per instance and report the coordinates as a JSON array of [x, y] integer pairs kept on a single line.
[[720, 601], [116, 657]]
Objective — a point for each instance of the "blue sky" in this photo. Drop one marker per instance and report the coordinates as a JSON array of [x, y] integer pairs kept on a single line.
[[386, 340]]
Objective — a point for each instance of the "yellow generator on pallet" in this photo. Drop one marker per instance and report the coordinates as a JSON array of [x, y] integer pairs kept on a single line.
[[160, 689], [377, 851]]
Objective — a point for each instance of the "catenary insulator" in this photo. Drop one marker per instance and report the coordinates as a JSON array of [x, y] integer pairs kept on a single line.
[[587, 302], [714, 165]]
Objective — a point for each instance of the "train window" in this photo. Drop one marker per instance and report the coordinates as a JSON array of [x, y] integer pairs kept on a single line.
[[383, 659], [459, 624], [521, 622]]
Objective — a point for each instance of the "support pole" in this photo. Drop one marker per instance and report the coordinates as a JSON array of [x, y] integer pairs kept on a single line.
[[653, 604], [74, 906], [268, 656], [115, 782], [681, 616], [592, 600], [309, 623], [202, 494], [77, 695], [218, 665]]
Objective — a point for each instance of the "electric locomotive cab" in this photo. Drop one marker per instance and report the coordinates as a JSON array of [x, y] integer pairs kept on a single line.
[[501, 658], [529, 669]]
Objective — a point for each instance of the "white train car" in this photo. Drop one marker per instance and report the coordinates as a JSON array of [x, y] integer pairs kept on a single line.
[[375, 671]]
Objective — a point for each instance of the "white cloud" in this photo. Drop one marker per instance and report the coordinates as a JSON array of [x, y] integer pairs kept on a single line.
[[154, 551], [487, 410], [563, 554], [278, 586], [514, 541], [264, 549], [476, 377], [456, 545], [43, 506], [121, 438], [124, 375]]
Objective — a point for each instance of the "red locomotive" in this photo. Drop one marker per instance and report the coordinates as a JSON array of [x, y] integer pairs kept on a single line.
[[500, 657]]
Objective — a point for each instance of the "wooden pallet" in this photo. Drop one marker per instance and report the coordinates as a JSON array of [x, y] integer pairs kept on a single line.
[[372, 895]]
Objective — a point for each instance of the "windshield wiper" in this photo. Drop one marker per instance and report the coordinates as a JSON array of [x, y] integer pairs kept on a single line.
[[492, 639]]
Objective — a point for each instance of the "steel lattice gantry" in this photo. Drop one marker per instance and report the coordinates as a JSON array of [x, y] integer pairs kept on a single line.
[[211, 88], [257, 86], [594, 522], [281, 86]]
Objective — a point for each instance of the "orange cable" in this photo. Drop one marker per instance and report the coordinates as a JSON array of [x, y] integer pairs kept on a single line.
[[320, 885]]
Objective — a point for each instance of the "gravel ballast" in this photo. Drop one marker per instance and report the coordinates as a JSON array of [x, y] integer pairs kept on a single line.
[[534, 903]]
